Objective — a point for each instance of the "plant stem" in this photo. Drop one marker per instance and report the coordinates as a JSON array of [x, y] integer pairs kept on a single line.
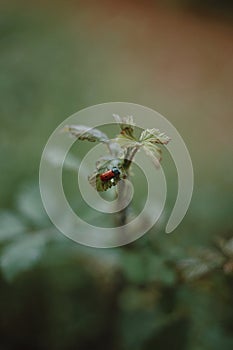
[[129, 157], [122, 215]]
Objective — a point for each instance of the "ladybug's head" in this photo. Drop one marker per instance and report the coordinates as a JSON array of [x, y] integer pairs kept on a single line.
[[116, 171]]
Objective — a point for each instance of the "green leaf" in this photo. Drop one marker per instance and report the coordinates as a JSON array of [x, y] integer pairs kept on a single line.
[[55, 157], [153, 152], [86, 133], [205, 261], [22, 254], [11, 226], [126, 141], [134, 269], [227, 247], [137, 327], [99, 185], [29, 204], [103, 166], [126, 124], [154, 136], [159, 271]]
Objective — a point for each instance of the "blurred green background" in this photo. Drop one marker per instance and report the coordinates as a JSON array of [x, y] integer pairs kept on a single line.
[[162, 291]]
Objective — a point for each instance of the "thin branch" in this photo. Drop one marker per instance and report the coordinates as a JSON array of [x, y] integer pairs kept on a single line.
[[122, 215]]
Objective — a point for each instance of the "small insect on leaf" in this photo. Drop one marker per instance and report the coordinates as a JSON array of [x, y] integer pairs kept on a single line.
[[102, 182], [96, 182], [85, 133], [108, 174]]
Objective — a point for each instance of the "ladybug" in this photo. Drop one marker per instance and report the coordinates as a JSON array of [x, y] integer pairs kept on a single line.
[[110, 174]]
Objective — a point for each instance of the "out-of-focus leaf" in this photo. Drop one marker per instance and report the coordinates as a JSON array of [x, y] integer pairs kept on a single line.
[[228, 266], [86, 133], [137, 327], [147, 268], [29, 204], [133, 266], [227, 247], [10, 226], [55, 157], [135, 299], [159, 272], [205, 261], [23, 254], [215, 338], [154, 136]]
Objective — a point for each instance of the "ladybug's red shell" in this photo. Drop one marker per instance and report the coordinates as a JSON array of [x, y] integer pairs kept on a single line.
[[108, 175]]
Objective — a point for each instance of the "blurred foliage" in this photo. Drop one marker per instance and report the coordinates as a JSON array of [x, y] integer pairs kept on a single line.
[[162, 291], [152, 293]]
